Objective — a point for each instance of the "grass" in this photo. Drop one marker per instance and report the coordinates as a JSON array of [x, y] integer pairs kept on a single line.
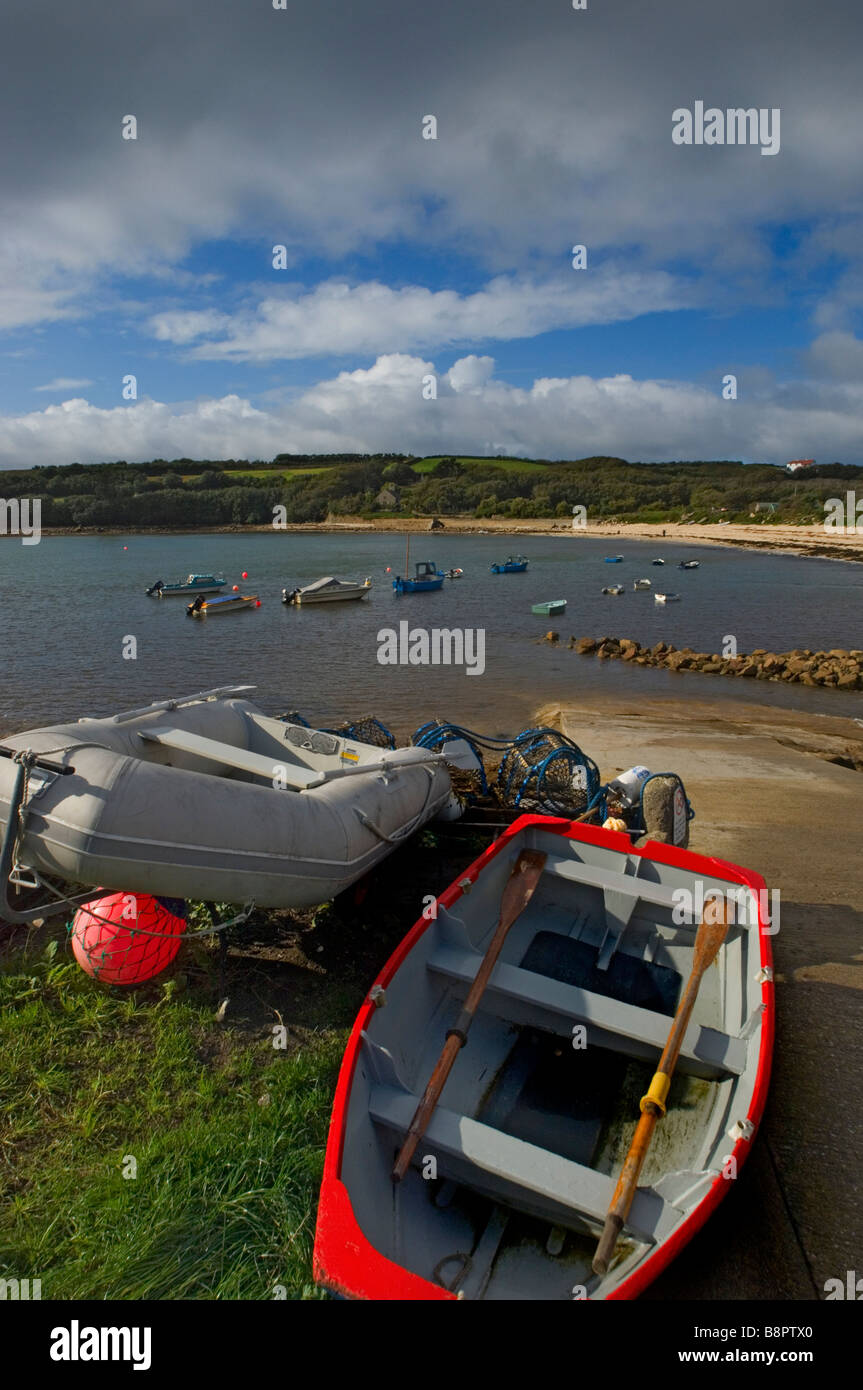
[[225, 1133], [505, 465]]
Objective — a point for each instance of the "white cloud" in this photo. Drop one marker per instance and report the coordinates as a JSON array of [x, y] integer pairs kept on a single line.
[[337, 319], [470, 373], [382, 408], [65, 383]]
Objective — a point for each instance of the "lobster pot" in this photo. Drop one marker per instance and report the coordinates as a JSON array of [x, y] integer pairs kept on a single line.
[[546, 772]]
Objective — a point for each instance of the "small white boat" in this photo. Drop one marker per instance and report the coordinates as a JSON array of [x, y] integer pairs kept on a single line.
[[328, 590], [657, 562], [667, 598], [689, 564], [642, 584], [615, 589], [221, 603]]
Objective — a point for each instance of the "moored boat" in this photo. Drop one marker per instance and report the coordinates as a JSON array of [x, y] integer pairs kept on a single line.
[[511, 565], [667, 598], [657, 562], [512, 1178], [328, 590], [613, 559], [689, 564], [221, 603], [456, 573], [548, 609], [192, 584], [427, 577], [642, 584], [615, 589]]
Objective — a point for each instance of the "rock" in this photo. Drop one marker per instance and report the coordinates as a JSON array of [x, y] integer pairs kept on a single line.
[[629, 649], [551, 637], [750, 668], [585, 645], [676, 661], [851, 680]]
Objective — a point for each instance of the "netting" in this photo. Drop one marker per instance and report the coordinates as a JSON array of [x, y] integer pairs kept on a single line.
[[127, 938], [539, 770], [366, 729]]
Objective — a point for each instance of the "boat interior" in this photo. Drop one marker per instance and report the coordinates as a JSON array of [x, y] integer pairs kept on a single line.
[[512, 1180], [233, 738]]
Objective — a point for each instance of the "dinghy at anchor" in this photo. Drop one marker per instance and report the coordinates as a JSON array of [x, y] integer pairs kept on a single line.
[[209, 798], [550, 609], [514, 1172], [222, 603], [666, 598]]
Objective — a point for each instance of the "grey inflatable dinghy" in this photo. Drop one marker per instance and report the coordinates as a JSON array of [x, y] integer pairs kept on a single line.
[[514, 1174], [207, 797]]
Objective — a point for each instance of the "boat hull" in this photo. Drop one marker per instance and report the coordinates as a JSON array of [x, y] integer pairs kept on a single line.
[[502, 1150], [138, 816], [550, 609]]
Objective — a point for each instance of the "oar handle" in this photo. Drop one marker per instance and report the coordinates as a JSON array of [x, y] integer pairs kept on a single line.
[[626, 1185]]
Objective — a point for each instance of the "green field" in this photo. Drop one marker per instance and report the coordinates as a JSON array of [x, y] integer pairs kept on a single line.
[[505, 465]]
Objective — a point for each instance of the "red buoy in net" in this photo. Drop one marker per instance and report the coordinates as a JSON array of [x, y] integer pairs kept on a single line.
[[126, 938]]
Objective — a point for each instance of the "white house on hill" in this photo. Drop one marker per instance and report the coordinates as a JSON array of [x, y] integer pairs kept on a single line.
[[799, 465]]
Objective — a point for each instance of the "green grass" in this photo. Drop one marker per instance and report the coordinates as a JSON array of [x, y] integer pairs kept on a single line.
[[227, 1133], [505, 465]]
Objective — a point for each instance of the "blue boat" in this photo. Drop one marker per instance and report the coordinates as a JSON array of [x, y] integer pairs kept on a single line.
[[511, 566], [427, 577], [613, 559]]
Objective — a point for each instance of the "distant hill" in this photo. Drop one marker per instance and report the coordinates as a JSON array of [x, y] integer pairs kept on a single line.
[[204, 492]]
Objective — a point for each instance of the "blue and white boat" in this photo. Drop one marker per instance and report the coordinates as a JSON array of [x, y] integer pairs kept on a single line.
[[511, 565], [192, 584], [427, 577], [613, 559]]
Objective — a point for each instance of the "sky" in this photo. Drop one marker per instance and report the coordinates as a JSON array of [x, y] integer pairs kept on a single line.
[[426, 300]]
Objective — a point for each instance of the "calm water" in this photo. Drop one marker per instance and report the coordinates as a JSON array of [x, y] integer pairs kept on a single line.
[[68, 603]]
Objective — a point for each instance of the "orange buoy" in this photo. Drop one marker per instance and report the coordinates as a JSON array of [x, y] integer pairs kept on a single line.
[[236, 589], [126, 938]]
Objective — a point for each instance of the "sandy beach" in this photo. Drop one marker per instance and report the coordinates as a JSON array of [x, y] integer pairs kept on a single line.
[[795, 540], [792, 540], [766, 796]]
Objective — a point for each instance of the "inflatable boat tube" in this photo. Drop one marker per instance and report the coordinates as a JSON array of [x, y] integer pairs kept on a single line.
[[210, 798]]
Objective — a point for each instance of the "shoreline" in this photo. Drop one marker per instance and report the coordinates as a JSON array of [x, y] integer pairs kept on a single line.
[[810, 541]]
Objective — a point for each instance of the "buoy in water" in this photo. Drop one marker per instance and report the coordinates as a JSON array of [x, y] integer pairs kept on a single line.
[[126, 938], [245, 574], [236, 588], [258, 604]]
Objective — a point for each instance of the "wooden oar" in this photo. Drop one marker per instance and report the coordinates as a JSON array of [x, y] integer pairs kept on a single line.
[[519, 890], [710, 936]]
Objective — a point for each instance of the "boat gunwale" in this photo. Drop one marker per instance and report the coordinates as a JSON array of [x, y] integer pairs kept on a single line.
[[375, 1275]]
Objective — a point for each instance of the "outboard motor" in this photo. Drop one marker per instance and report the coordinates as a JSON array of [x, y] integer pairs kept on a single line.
[[289, 596], [156, 588]]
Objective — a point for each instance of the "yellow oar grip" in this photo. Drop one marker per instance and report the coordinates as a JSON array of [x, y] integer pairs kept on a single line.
[[657, 1092]]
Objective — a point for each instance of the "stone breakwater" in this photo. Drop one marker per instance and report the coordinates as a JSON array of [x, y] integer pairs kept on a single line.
[[839, 669]]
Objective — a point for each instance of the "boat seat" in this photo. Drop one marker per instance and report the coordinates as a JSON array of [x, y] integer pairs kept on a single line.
[[531, 1179], [528, 998], [229, 756]]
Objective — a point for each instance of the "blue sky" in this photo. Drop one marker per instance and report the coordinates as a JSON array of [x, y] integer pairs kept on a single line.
[[410, 257]]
